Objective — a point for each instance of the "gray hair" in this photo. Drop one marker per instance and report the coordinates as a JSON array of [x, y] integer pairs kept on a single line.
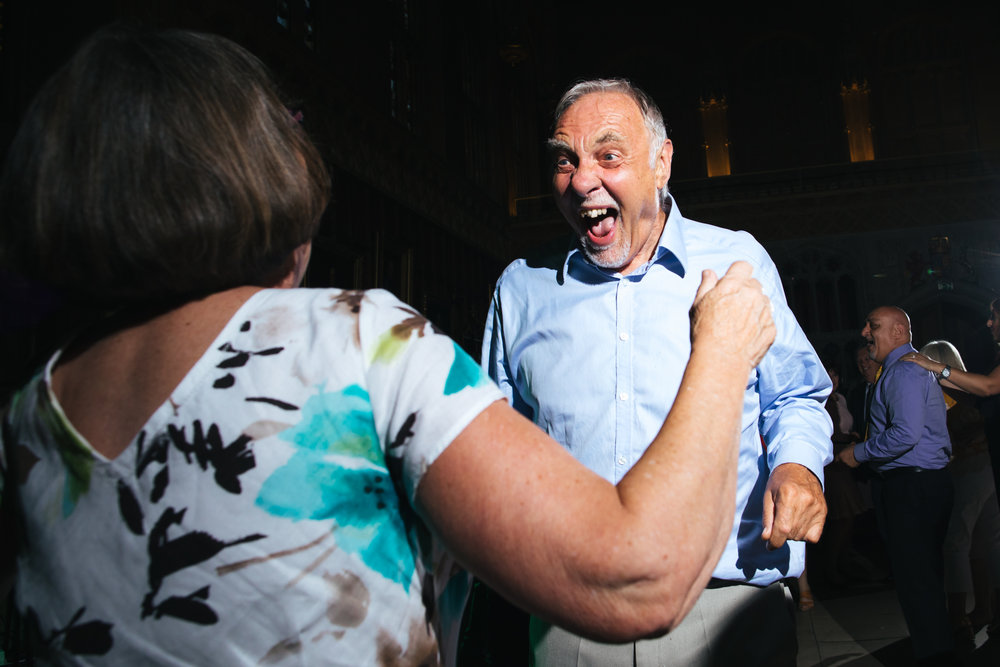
[[943, 352], [651, 115]]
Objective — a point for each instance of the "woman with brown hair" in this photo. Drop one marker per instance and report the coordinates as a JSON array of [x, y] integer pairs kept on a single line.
[[230, 470]]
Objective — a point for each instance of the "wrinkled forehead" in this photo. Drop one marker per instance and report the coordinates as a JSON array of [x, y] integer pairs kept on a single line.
[[602, 113]]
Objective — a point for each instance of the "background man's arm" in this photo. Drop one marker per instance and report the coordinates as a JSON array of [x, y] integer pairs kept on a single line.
[[905, 406]]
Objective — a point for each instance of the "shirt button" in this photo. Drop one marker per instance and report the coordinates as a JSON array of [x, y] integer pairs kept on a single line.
[[623, 396], [621, 460], [623, 336]]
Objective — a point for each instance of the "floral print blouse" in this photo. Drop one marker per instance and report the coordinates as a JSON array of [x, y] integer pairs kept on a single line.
[[264, 515]]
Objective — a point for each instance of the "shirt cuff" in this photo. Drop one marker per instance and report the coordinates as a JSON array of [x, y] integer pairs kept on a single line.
[[804, 456]]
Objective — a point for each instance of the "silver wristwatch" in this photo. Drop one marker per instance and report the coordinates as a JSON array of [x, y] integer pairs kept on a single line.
[[945, 373]]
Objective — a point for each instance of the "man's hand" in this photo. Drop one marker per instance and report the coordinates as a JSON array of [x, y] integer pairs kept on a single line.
[[846, 456], [794, 507]]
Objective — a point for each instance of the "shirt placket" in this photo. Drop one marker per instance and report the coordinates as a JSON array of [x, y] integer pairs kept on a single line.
[[624, 389]]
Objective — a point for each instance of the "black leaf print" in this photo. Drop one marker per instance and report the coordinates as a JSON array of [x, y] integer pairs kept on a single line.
[[237, 360], [187, 550], [160, 483], [76, 617], [91, 638], [157, 451], [224, 382], [167, 556], [186, 609], [230, 461], [405, 432], [130, 510], [272, 401]]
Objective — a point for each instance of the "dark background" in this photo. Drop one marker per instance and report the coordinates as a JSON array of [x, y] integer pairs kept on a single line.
[[432, 115]]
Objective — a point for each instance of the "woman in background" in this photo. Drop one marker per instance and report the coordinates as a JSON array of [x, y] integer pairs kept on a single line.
[[229, 470], [974, 527], [959, 378]]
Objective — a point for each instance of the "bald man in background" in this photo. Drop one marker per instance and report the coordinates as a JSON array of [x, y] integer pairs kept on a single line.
[[908, 448]]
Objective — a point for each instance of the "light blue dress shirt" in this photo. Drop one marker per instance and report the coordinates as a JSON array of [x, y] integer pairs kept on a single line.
[[595, 359], [909, 421]]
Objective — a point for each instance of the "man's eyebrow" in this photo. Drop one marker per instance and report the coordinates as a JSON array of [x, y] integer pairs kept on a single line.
[[610, 137], [558, 146]]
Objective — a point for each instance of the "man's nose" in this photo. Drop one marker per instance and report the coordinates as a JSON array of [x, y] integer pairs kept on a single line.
[[586, 177]]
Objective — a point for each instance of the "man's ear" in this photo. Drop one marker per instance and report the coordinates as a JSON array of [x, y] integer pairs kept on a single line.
[[661, 166]]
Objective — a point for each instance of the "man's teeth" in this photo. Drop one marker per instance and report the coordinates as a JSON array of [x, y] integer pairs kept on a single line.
[[594, 213]]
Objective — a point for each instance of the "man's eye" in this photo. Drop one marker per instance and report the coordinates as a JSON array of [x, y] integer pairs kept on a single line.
[[610, 157], [564, 164]]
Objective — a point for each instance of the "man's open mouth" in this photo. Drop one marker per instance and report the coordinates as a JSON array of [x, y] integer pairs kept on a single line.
[[599, 224]]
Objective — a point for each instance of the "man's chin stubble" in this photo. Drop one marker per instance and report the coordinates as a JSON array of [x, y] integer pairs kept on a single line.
[[611, 259]]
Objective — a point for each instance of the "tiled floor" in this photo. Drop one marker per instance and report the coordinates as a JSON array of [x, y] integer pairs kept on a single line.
[[864, 628]]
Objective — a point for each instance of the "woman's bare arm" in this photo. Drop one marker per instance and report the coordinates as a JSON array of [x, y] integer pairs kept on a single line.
[[974, 383], [614, 563]]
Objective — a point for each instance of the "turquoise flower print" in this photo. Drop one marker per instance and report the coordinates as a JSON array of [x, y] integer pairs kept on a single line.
[[464, 373], [338, 472]]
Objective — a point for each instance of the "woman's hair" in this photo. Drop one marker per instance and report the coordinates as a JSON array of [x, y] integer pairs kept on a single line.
[[943, 352], [158, 165]]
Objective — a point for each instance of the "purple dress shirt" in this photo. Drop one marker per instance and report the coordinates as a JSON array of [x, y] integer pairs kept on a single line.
[[908, 418]]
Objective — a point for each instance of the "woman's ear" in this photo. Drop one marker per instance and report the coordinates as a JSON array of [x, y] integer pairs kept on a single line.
[[300, 261]]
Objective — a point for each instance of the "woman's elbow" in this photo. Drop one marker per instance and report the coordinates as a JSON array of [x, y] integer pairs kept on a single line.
[[646, 610]]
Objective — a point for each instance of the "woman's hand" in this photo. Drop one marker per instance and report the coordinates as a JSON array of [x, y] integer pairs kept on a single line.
[[732, 313], [924, 362]]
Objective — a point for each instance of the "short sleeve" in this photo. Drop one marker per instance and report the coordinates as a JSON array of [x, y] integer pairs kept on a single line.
[[424, 389]]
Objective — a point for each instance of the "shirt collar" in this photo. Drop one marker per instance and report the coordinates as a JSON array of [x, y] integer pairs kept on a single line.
[[671, 253], [896, 354]]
